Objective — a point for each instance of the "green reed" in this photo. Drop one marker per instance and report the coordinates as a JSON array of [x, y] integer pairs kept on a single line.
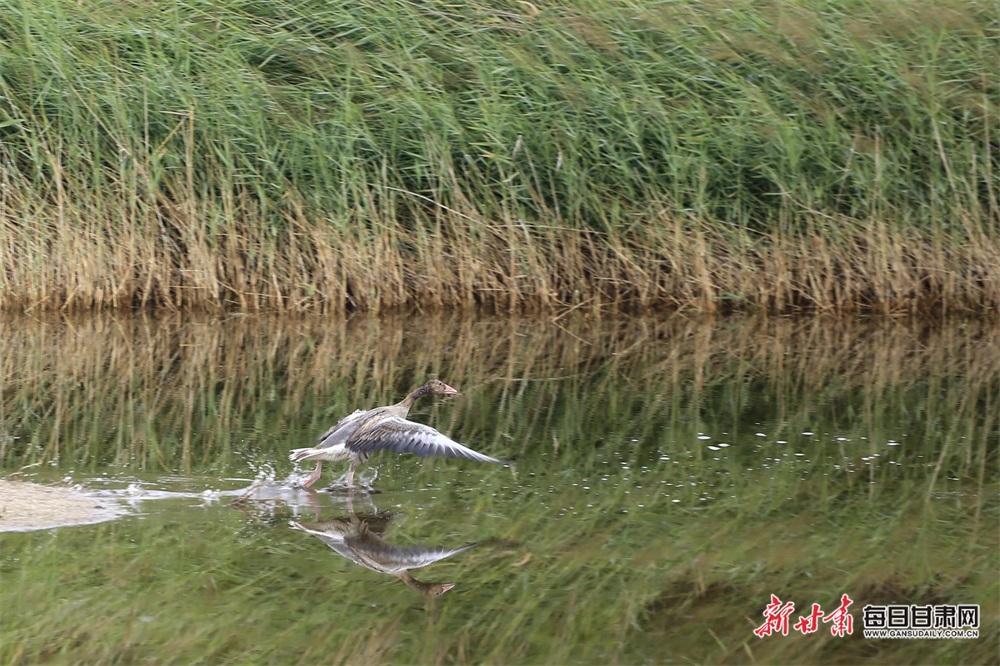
[[263, 155]]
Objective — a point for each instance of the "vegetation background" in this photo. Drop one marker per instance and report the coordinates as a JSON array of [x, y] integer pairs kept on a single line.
[[746, 154]]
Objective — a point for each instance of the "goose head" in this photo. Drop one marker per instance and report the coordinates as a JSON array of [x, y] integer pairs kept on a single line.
[[434, 387]]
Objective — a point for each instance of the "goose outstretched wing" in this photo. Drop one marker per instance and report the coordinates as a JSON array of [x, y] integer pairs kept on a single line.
[[402, 436]]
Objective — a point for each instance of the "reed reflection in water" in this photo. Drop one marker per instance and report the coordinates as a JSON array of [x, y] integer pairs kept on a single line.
[[137, 392], [671, 475]]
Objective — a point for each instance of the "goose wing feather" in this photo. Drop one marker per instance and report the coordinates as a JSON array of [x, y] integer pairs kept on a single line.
[[402, 436]]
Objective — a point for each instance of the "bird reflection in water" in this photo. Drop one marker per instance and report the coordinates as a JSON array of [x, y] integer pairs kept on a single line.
[[359, 539]]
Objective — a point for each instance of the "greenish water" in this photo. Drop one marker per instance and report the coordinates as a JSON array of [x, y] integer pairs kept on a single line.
[[670, 476]]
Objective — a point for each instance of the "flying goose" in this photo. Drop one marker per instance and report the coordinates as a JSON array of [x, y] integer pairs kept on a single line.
[[363, 433]]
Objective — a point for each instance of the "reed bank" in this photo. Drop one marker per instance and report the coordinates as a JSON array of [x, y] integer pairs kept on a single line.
[[740, 156]]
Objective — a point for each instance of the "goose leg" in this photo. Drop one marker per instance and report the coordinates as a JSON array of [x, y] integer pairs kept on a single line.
[[350, 473], [314, 476]]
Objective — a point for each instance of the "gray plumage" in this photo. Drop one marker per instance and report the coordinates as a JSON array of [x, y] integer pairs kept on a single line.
[[358, 435]]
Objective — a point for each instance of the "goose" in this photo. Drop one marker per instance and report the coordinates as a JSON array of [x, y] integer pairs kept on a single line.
[[358, 435]]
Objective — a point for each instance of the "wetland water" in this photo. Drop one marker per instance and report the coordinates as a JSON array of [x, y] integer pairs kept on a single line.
[[670, 476]]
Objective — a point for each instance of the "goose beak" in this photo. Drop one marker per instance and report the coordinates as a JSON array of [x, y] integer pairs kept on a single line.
[[449, 390]]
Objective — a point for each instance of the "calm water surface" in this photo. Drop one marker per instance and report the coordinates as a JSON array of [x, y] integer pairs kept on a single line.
[[670, 475]]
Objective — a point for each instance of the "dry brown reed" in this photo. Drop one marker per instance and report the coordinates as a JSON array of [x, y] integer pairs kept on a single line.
[[67, 260]]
